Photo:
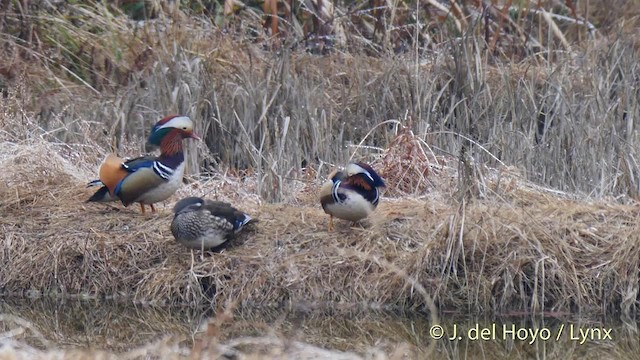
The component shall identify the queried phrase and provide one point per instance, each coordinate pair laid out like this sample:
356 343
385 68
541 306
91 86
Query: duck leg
142 207
153 209
331 223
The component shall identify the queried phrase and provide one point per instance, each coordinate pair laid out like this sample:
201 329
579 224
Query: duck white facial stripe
178 122
163 171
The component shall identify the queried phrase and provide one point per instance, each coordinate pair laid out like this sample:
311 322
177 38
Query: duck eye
184 128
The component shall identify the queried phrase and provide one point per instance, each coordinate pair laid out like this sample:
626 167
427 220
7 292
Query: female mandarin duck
351 194
205 224
147 179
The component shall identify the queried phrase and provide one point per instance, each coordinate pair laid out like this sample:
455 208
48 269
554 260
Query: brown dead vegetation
457 229
516 247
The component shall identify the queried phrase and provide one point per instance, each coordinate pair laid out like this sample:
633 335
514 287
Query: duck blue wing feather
139 163
224 210
241 221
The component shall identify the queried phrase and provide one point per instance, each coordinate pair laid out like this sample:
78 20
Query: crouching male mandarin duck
147 179
205 224
351 194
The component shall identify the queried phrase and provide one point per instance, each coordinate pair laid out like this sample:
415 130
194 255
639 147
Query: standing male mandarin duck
351 194
205 224
147 179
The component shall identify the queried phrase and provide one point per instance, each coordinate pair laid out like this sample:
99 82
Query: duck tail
102 195
96 182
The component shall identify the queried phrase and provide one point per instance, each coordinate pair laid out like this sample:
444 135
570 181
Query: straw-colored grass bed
518 249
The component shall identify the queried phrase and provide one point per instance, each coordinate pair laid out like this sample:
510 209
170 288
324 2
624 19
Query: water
120 327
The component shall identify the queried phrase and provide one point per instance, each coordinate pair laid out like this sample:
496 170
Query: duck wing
140 178
224 210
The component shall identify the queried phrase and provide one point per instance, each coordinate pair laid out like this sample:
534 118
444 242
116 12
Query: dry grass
517 248
470 142
560 113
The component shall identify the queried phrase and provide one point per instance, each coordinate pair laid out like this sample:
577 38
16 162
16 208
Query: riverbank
516 249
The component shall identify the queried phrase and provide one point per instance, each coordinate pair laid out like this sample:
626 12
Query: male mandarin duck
147 179
205 224
351 194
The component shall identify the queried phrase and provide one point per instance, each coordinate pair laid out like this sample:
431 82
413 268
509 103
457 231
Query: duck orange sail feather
111 172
